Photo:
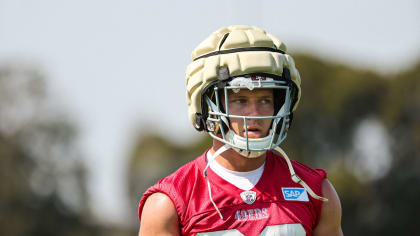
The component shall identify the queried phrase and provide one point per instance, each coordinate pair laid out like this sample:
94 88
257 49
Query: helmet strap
210 160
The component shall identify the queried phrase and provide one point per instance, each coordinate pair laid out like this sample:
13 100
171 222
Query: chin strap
209 161
297 179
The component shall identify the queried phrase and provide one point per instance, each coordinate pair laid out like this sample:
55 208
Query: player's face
257 102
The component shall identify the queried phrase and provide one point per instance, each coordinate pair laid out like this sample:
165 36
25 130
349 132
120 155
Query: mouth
253 132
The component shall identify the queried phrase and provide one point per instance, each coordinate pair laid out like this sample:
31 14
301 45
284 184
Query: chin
253 136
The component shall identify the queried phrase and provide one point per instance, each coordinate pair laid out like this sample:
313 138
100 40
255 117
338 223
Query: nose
253 108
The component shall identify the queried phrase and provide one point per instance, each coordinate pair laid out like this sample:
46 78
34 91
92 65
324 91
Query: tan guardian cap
239 50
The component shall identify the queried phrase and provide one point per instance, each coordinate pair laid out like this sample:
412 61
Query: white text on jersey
251 214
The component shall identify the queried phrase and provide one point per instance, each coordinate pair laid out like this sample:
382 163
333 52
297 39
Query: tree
43 188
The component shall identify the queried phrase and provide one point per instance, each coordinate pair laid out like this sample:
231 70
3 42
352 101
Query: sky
119 66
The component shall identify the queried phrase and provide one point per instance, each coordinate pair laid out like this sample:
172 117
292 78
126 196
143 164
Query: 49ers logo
251 214
256 78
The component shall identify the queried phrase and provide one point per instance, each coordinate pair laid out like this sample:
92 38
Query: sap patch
295 194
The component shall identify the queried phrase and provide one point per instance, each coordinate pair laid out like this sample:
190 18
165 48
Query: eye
239 101
266 101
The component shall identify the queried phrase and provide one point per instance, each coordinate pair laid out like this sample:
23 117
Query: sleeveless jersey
275 206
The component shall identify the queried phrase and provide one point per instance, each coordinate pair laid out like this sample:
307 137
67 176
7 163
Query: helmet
241 57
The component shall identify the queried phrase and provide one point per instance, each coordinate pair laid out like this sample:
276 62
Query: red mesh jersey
274 211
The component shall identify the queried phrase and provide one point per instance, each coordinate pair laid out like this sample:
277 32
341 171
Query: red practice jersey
275 206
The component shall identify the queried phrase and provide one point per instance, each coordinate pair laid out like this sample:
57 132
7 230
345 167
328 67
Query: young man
242 88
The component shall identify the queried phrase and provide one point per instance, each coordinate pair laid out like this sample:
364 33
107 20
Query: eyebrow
265 96
242 96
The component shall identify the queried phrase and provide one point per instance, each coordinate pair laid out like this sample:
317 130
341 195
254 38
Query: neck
232 160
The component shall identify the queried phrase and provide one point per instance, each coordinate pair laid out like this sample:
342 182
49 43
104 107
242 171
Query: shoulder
301 169
330 220
176 186
307 170
186 171
313 177
159 216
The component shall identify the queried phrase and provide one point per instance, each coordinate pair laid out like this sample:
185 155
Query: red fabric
187 188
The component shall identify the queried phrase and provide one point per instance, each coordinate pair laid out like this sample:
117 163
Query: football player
242 89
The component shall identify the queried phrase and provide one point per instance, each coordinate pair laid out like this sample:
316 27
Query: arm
330 220
159 216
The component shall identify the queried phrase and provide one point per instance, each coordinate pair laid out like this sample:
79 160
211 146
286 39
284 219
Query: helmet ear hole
199 122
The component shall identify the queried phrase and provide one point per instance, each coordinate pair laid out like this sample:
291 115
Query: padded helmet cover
262 53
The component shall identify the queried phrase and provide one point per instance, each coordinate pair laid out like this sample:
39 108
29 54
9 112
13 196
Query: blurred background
93 110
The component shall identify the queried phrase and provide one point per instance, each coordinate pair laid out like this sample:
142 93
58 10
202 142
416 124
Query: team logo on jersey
295 194
249 196
251 214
